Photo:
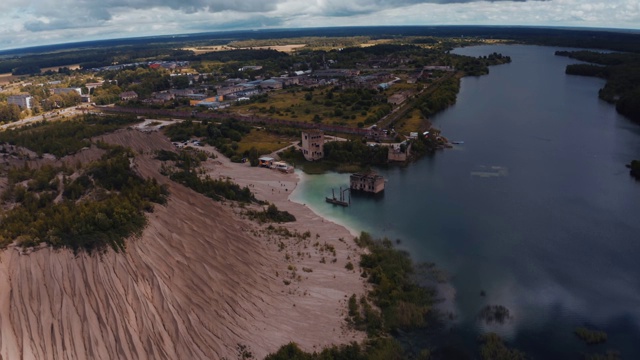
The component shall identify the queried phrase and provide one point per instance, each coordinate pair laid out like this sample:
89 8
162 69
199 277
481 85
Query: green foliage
62 138
220 135
101 208
441 98
355 152
213 188
480 65
629 104
375 349
402 303
587 70
591 337
493 348
186 172
271 214
9 112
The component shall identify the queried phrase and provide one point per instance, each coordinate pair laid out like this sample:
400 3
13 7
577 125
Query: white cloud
52 21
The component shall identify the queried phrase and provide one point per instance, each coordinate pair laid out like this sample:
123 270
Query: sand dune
198 282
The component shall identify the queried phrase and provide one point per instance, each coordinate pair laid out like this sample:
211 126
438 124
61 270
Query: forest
622 72
91 208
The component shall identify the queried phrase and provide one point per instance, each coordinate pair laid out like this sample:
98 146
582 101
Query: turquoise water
536 207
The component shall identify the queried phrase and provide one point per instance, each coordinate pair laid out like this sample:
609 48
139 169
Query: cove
536 208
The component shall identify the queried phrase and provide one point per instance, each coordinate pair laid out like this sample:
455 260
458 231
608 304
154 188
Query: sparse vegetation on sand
97 206
185 169
271 214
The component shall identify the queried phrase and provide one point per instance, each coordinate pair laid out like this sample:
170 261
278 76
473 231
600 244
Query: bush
591 337
271 214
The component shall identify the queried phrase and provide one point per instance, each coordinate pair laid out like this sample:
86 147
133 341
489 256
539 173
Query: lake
536 209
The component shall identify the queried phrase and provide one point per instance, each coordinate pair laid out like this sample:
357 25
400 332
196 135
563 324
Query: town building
272 84
66 90
397 99
313 144
128 95
230 90
250 67
367 182
24 101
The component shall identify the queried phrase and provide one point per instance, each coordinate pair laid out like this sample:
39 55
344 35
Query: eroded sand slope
198 282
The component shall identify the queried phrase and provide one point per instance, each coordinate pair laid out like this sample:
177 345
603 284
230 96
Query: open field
264 141
413 121
7 78
209 49
293 106
56 68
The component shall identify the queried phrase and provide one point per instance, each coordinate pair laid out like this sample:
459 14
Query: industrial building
24 101
367 182
313 144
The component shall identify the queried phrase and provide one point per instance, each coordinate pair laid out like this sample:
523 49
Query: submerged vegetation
89 209
591 337
493 348
395 302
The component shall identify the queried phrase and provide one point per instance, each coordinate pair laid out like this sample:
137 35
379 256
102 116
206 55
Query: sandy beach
201 280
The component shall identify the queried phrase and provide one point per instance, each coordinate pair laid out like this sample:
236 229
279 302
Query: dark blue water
536 208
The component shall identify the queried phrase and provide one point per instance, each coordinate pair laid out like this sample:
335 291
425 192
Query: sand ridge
199 281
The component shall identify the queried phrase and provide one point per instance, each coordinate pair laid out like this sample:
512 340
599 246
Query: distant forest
106 52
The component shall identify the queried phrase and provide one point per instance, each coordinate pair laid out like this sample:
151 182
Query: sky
41 22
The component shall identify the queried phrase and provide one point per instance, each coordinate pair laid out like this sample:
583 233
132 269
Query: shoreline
302 178
324 280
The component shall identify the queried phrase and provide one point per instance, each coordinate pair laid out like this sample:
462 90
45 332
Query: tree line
622 72
100 204
64 137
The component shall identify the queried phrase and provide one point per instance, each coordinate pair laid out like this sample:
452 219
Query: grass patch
264 141
327 105
412 122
